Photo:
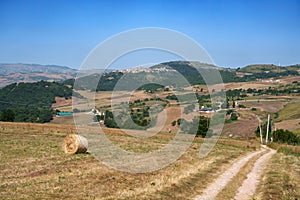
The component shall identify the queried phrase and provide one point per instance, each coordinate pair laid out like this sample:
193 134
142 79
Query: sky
234 33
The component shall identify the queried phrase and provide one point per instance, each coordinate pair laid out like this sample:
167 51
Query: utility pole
268 129
260 131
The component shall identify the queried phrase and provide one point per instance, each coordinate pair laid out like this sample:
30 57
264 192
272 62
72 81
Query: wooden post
260 131
268 129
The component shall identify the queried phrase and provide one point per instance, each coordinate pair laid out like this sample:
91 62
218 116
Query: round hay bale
75 144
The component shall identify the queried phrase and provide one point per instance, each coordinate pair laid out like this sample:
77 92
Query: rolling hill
170 73
269 68
12 73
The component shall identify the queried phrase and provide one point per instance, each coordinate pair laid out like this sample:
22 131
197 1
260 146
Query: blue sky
235 33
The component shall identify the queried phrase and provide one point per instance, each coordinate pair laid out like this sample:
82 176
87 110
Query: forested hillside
31 102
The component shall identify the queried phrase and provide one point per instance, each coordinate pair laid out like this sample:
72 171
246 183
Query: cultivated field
244 127
289 117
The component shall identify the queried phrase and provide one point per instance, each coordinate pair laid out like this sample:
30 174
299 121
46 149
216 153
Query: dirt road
247 189
249 185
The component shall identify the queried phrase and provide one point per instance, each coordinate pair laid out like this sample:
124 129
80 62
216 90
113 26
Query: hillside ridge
20 72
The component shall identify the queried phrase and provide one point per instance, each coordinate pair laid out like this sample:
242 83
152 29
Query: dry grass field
260 84
33 166
289 112
245 126
105 98
289 117
289 79
281 178
267 105
291 125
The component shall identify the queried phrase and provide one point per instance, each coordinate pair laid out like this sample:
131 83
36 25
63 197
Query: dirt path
247 189
249 185
213 189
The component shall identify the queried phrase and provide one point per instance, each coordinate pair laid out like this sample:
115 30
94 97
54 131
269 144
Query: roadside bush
285 136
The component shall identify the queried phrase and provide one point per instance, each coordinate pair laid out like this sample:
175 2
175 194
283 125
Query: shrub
173 123
76 110
233 116
198 126
228 112
285 136
242 106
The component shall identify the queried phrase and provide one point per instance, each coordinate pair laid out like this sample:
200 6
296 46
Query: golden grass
289 79
286 149
281 178
290 111
33 166
297 131
266 105
291 125
243 85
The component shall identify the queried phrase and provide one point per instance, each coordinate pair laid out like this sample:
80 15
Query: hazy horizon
136 66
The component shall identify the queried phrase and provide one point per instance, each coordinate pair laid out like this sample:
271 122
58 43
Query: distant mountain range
11 73
19 72
34 68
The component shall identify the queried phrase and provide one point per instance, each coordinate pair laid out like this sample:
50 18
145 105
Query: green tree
234 116
199 126
7 115
173 123
285 136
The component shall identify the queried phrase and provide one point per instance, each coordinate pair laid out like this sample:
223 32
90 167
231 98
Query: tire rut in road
213 189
